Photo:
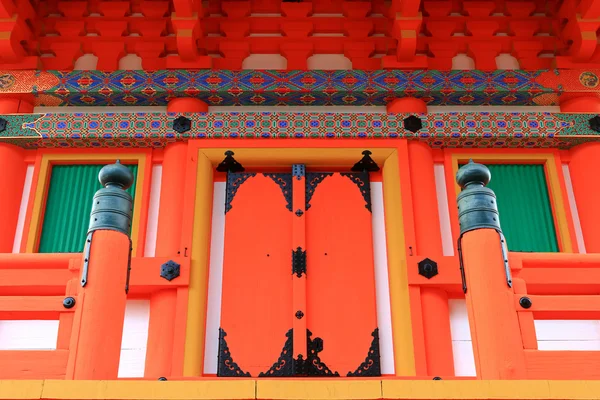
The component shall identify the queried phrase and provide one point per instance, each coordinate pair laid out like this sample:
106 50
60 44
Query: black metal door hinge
299 262
298 171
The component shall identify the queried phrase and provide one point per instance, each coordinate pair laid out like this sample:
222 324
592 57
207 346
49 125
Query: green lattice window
524 206
68 206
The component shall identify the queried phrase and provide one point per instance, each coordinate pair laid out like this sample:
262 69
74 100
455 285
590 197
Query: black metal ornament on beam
229 164
366 163
595 123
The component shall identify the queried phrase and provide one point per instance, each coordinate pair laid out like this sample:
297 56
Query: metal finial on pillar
477 209
476 203
113 206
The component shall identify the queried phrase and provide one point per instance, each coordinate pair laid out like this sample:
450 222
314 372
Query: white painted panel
215 279
567 330
462 347
23 209
574 212
443 211
382 287
152 224
134 339
28 335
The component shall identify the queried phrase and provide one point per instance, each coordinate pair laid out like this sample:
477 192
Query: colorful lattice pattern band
282 88
455 129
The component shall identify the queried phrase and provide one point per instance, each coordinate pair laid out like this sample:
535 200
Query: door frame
205 155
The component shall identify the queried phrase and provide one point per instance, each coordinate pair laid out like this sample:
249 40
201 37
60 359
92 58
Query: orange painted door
256 308
298 294
341 309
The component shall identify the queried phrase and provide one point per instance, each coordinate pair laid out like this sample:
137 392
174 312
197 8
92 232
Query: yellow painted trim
150 390
311 157
193 361
73 158
316 390
404 353
548 160
401 321
17 390
306 389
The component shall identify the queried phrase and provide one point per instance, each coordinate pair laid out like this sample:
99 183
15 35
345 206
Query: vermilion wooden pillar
407 105
15 106
161 331
434 302
12 180
97 346
583 168
187 105
495 330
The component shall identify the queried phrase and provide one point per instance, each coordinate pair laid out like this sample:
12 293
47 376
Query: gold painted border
554 186
387 157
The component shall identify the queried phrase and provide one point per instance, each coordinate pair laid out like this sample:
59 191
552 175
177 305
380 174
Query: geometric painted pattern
280 88
452 129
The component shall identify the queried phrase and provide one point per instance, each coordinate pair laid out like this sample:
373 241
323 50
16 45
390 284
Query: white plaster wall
462 346
153 206
382 286
574 335
130 62
317 109
574 211
135 338
215 279
28 335
443 210
462 62
329 62
86 62
23 209
506 61
264 61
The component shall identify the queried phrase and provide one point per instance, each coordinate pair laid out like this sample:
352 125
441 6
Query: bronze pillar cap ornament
473 173
112 208
116 175
477 208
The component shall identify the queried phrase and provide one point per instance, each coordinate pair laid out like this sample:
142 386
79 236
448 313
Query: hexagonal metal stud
595 123
3 124
182 124
170 270
413 123
428 268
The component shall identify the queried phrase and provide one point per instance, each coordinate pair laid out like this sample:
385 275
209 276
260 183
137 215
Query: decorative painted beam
486 130
316 88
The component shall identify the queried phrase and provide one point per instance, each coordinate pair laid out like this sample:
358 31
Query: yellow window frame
44 166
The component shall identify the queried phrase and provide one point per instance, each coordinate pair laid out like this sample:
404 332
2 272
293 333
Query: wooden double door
298 294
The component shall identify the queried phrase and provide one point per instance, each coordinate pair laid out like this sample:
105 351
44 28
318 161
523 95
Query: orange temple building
299 200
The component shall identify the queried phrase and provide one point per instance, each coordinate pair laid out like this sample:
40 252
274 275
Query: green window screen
524 207
68 206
